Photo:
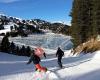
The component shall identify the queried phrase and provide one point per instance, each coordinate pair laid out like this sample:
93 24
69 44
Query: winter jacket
39 52
35 59
59 53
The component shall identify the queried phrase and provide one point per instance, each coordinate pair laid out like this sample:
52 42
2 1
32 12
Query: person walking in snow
36 61
44 54
59 54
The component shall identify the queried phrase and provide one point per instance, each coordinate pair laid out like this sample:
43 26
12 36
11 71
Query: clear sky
50 10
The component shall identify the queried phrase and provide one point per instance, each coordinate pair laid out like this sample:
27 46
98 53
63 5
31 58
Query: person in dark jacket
36 61
44 54
59 54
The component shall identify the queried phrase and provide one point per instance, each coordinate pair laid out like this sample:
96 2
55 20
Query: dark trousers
59 62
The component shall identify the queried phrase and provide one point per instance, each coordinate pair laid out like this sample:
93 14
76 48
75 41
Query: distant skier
36 61
44 54
59 54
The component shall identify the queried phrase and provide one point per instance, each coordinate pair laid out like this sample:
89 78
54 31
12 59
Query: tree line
85 20
11 48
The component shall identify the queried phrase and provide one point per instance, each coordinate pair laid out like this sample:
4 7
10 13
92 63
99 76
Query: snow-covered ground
81 67
7 28
48 41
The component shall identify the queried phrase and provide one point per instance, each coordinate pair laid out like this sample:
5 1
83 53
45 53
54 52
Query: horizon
51 11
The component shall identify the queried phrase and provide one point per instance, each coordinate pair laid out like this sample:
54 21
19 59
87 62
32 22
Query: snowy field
48 41
81 67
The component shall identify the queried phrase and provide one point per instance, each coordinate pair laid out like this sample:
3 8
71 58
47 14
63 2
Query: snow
81 67
7 28
48 41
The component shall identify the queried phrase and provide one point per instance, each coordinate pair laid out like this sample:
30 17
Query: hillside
9 23
91 45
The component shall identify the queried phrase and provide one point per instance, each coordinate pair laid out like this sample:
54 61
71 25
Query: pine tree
5 44
84 20
75 28
1 27
23 51
17 51
96 15
11 28
28 51
12 48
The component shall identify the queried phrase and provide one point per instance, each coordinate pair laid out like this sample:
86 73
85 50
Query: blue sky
50 10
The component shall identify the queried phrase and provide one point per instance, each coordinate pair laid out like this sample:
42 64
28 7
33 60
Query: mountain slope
31 25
